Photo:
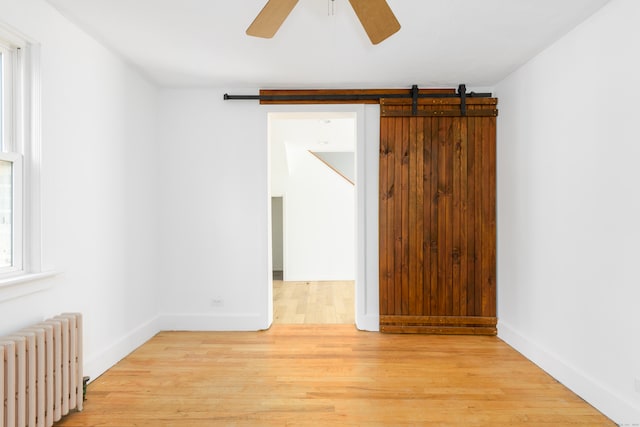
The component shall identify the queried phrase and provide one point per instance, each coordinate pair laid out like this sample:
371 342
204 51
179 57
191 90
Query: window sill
24 284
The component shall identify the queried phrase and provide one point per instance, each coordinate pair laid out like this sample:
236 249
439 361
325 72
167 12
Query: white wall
568 207
343 163
98 189
319 233
214 216
215 211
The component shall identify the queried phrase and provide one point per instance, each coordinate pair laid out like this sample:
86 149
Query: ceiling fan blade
271 18
377 18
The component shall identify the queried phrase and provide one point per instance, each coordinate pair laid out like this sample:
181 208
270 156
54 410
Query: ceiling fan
375 16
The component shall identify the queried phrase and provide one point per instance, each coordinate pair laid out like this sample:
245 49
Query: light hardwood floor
328 375
313 302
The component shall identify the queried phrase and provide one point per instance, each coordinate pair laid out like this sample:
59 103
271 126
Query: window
11 208
19 159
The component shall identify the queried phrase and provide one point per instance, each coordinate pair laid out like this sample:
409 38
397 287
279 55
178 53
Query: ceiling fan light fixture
376 18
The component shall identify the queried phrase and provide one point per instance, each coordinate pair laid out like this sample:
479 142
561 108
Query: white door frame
366 194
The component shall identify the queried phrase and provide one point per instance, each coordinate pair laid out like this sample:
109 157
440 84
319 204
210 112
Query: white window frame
8 71
22 137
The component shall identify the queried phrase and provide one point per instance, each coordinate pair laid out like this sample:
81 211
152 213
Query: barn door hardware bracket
414 100
462 91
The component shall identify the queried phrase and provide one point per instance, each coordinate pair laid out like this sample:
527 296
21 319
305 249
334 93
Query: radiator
41 372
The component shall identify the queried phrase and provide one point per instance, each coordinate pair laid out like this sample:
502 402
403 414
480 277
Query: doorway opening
312 164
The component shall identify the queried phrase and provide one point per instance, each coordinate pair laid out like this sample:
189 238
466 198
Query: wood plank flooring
330 302
329 375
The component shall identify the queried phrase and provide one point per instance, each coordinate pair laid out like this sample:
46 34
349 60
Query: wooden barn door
437 216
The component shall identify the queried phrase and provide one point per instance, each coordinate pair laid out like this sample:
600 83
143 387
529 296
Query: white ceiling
314 131
195 43
293 135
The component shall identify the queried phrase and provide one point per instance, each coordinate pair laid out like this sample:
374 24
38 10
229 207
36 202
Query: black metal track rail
412 93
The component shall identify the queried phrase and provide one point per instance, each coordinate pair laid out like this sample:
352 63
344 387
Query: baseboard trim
98 364
211 322
601 397
368 323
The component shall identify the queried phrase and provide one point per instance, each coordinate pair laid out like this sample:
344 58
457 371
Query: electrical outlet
217 302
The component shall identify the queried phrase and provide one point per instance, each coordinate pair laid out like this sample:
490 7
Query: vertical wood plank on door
383 217
441 281
412 252
448 282
426 209
419 217
456 223
393 192
435 202
471 216
464 223
404 238
477 309
489 219
398 202
391 212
